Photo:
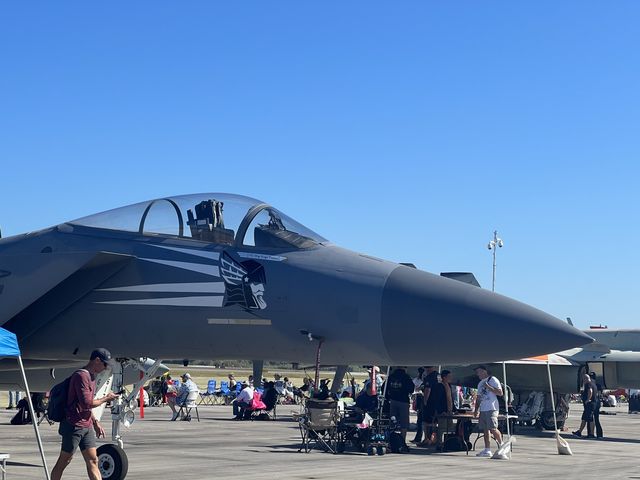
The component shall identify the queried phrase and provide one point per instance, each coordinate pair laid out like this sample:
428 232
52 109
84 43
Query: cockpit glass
209 217
273 229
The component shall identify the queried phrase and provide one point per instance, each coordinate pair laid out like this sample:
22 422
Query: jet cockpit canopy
219 218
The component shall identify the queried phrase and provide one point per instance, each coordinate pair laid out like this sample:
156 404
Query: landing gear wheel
382 450
112 462
546 421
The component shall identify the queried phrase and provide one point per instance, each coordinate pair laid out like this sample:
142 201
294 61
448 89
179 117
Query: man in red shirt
80 427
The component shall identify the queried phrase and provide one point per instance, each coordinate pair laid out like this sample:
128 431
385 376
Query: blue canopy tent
9 348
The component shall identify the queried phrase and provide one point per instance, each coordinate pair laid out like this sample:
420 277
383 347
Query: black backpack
58 400
397 443
22 417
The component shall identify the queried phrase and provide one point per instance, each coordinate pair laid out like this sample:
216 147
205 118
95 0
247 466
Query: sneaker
484 453
173 418
577 434
10 407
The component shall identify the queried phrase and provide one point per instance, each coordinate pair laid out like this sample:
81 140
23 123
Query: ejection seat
208 224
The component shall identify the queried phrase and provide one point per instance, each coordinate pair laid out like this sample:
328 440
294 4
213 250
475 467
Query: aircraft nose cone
428 318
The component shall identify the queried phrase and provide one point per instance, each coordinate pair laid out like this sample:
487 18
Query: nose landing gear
112 462
112 459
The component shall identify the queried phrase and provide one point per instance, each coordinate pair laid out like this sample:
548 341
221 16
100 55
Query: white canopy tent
9 348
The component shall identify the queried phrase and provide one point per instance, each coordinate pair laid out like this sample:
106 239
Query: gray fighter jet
173 278
226 276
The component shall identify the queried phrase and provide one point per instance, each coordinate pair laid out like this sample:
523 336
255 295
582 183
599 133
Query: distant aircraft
225 276
615 359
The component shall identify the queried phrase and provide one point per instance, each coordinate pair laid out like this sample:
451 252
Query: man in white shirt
243 400
487 404
187 386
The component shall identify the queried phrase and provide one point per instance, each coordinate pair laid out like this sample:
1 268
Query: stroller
383 435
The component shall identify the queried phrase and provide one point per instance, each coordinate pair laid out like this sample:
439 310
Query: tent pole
553 400
506 396
34 420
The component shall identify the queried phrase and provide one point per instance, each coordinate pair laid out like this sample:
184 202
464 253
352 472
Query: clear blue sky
405 130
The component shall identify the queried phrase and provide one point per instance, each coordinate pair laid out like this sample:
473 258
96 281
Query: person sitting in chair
367 401
187 386
243 401
270 396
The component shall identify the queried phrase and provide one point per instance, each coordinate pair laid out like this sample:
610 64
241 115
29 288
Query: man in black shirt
588 395
399 388
598 404
367 401
429 407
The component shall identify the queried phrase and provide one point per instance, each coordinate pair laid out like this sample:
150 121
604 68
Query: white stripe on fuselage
212 270
203 301
198 287
188 251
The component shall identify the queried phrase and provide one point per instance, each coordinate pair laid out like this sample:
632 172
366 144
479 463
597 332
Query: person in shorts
80 427
588 394
487 408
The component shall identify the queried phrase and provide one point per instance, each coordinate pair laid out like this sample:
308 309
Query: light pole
494 245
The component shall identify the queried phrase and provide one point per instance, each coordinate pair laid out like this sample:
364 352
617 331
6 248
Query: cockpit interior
218 218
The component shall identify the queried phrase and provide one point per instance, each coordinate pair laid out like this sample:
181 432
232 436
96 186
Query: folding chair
208 396
189 404
3 464
319 426
223 394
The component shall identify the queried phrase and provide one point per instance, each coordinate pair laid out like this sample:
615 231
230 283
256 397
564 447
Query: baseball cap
103 354
186 375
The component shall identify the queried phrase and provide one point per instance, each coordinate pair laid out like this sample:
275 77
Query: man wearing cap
487 404
80 427
186 387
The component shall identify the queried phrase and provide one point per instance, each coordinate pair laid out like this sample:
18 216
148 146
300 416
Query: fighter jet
615 359
218 275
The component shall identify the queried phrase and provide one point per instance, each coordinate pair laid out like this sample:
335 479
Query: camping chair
223 394
207 397
257 406
267 412
189 404
319 426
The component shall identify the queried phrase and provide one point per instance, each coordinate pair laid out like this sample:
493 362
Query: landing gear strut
112 459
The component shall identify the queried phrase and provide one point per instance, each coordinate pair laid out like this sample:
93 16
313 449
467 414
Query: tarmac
218 446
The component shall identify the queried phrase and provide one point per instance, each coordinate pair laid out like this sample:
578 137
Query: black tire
546 421
112 462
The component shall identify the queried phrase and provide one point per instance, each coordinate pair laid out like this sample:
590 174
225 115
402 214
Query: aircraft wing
592 352
552 358
32 300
